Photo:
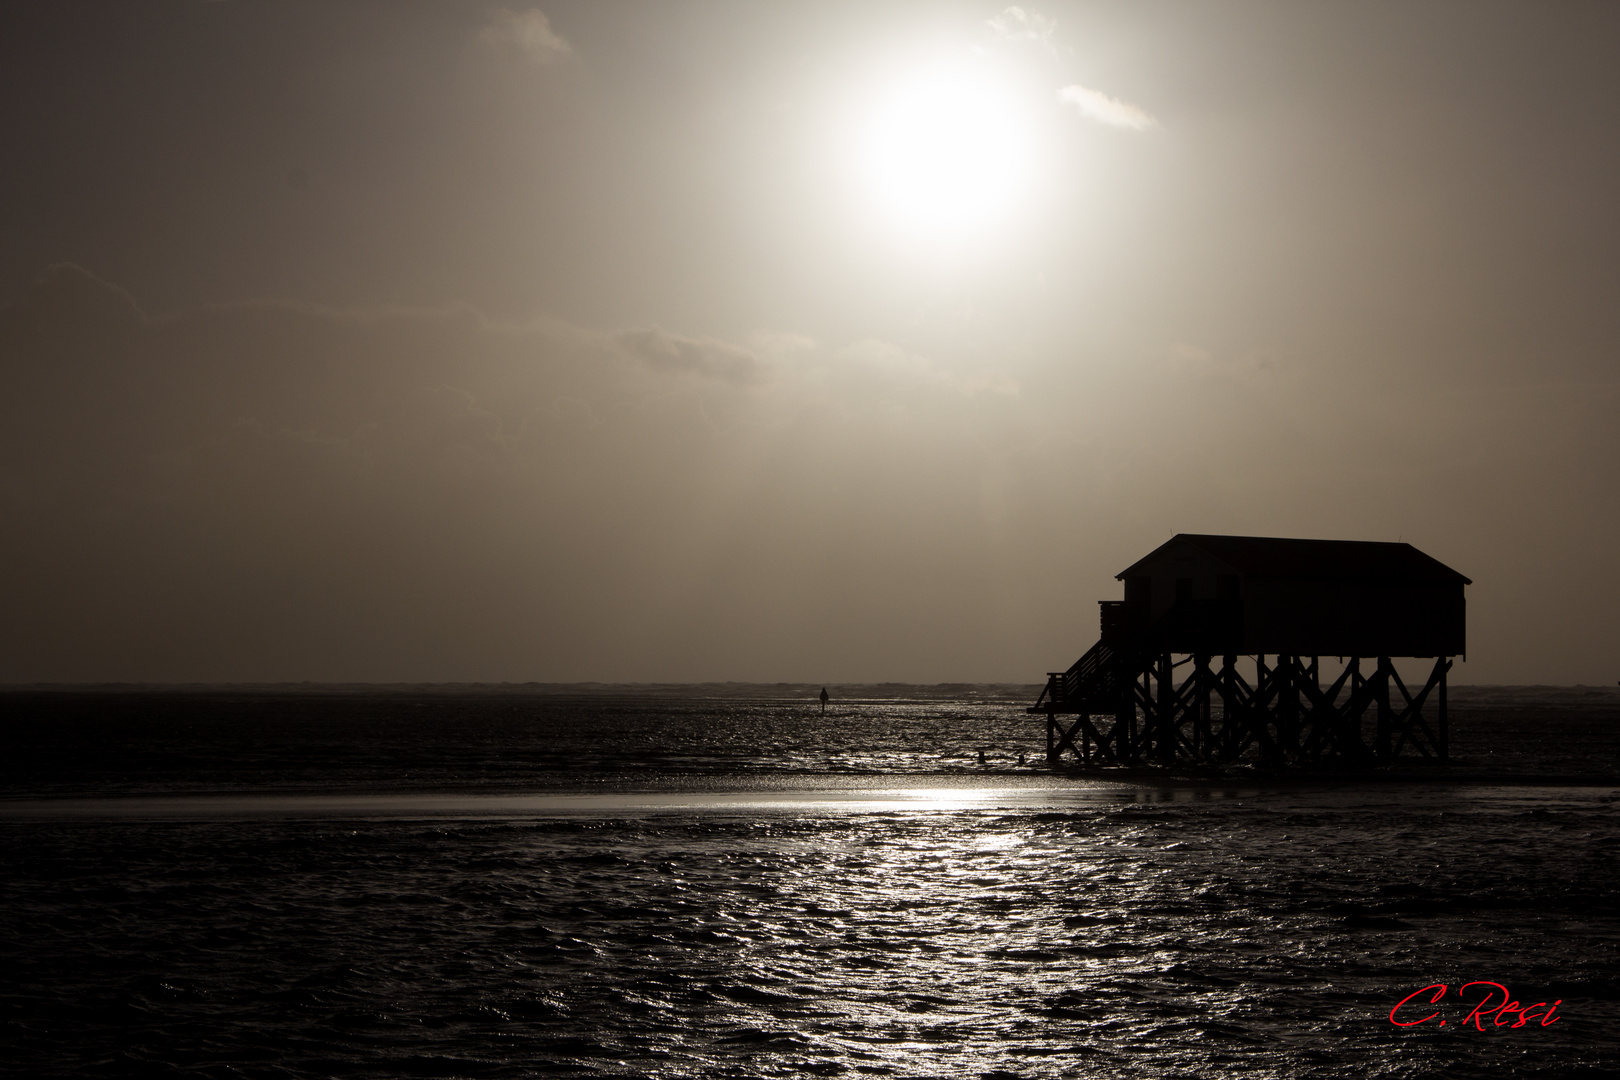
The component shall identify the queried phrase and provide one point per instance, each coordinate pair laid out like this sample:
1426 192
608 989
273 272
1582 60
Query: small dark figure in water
823 701
981 758
1020 758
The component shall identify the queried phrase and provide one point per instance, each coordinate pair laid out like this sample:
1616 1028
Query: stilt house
1210 600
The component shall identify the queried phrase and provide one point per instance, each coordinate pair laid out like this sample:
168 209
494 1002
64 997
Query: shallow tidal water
746 921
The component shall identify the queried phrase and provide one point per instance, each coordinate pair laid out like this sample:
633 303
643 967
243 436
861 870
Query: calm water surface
736 919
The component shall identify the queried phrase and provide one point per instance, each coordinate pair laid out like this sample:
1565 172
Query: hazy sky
810 342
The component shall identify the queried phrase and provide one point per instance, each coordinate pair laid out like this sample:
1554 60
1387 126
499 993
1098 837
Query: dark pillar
1259 715
1287 706
1386 716
1231 714
1164 738
1203 738
1051 733
1354 707
1123 734
1444 664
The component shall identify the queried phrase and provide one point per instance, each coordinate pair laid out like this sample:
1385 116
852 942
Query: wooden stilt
1356 706
1440 720
1287 717
1164 733
1384 744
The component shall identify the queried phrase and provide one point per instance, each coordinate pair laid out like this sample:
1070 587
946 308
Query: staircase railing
1090 679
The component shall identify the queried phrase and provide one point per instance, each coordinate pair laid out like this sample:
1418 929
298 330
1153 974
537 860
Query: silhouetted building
1209 598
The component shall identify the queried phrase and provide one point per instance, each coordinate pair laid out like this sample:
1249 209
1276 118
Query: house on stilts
1165 684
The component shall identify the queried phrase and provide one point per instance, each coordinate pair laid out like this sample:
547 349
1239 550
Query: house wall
1180 562
1353 618
1303 616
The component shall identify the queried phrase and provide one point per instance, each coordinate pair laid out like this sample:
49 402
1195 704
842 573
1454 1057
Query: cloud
1107 110
1018 25
529 32
663 351
900 366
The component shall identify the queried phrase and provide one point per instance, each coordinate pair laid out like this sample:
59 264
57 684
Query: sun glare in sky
946 150
674 342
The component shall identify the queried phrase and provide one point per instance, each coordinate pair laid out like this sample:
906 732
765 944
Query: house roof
1274 557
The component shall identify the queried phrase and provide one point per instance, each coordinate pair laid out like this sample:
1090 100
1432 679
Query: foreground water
749 915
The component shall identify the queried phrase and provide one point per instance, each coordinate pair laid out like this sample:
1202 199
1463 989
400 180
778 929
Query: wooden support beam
1065 738
1410 723
1355 708
1124 729
1093 744
1441 721
1287 717
1380 684
1164 734
1346 721
1237 723
1203 737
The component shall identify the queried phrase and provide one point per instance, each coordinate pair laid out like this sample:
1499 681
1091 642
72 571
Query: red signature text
1496 1004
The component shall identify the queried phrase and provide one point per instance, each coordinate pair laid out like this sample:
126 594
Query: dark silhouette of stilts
823 701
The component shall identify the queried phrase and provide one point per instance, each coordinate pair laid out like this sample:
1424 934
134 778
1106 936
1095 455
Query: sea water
672 884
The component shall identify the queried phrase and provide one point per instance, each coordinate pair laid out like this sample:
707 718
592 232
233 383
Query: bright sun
946 150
